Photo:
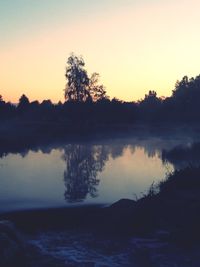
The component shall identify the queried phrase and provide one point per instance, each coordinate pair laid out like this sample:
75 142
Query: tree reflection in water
182 156
83 163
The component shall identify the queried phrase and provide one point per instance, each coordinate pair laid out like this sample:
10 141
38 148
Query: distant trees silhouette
23 104
186 98
23 101
88 107
7 110
150 106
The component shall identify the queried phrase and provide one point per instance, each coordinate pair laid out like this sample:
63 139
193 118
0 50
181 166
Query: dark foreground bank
160 228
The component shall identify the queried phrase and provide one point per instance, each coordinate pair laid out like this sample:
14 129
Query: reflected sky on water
82 173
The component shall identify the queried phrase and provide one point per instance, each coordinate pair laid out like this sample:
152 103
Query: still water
80 173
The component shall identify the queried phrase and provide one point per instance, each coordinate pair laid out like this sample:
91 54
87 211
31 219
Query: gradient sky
135 45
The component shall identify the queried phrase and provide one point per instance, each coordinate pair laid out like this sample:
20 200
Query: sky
135 45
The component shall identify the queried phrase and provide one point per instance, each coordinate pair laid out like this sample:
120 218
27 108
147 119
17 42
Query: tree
150 106
181 88
97 92
150 100
81 88
77 80
2 102
23 102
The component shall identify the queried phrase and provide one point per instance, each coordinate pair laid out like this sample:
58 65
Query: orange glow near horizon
134 48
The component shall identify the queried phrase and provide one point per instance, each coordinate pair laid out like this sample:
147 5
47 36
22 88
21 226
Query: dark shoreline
51 218
172 206
164 222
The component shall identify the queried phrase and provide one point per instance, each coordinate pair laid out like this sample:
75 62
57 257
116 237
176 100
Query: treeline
102 111
183 106
87 103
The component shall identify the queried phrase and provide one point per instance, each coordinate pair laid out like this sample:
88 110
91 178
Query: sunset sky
135 45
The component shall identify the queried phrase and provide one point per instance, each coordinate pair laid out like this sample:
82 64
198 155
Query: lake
100 171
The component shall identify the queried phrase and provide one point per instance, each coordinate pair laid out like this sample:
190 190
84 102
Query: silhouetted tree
81 88
2 107
23 105
150 106
77 80
181 88
151 98
23 101
2 102
47 104
186 99
97 92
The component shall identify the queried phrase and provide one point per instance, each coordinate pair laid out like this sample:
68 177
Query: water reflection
182 155
106 170
83 163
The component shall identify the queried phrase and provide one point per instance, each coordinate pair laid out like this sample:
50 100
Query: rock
124 204
118 217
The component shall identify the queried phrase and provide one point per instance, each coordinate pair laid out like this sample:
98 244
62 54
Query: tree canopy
80 87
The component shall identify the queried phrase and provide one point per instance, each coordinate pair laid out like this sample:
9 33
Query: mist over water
93 172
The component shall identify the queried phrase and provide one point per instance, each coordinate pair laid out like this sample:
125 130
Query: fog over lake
89 172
